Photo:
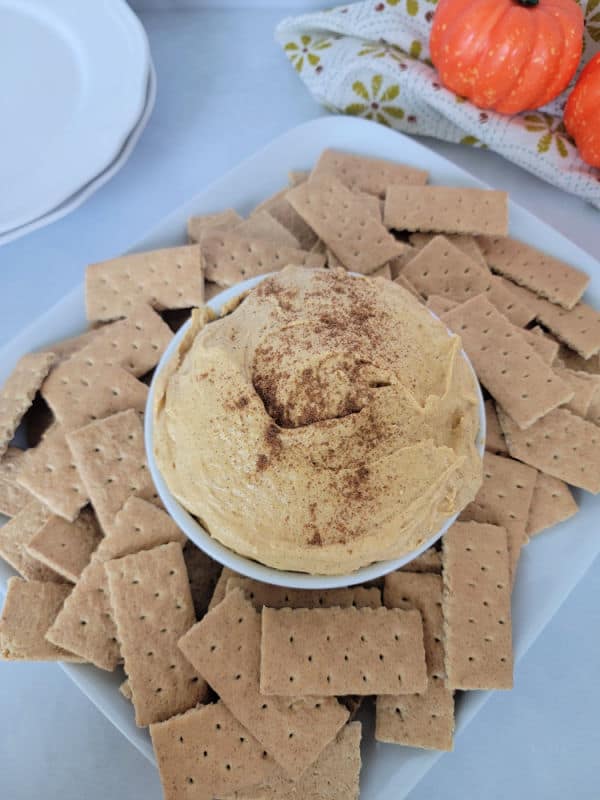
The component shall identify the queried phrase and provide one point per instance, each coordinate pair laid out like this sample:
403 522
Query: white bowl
247 566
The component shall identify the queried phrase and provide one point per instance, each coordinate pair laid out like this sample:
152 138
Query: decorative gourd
507 55
582 113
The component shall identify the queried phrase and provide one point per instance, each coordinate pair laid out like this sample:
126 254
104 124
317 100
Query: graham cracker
49 473
169 278
297 176
152 607
561 444
66 547
222 220
18 391
573 360
476 607
286 215
505 363
545 346
468 244
444 269
494 438
111 460
584 386
203 574
16 535
441 209
429 561
552 503
334 775
65 348
365 174
593 414
11 463
339 651
206 753
13 498
346 223
80 391
230 258
264 594
504 499
440 305
403 281
398 263
545 275
125 690
384 271
262 225
86 623
293 731
30 607
426 719
221 587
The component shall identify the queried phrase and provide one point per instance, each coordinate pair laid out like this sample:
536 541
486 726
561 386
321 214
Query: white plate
73 81
88 190
551 565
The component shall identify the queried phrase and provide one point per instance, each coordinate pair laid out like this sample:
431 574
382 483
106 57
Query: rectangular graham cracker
264 594
476 606
584 386
429 561
152 607
365 174
30 607
334 775
286 215
468 244
345 222
111 459
67 547
19 390
444 269
16 535
229 258
294 731
222 220
13 498
339 651
552 503
505 363
545 275
169 278
49 474
86 623
441 209
80 391
561 444
494 438
425 719
206 753
203 574
504 499
263 225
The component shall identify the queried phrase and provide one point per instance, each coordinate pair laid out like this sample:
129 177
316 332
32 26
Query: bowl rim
242 564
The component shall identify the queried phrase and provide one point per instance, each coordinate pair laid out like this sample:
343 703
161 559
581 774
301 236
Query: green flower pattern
552 130
383 49
306 52
473 141
377 101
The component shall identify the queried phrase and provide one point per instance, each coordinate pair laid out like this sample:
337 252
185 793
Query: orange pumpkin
582 113
507 55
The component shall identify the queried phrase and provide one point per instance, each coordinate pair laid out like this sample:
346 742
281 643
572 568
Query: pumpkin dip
327 422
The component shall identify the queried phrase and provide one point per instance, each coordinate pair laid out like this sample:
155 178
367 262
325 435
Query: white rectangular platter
551 565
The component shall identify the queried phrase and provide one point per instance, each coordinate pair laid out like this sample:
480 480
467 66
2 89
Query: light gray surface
224 90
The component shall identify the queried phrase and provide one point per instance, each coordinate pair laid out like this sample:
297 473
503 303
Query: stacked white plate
77 87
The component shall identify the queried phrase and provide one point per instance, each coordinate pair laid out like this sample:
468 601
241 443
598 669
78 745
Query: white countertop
225 89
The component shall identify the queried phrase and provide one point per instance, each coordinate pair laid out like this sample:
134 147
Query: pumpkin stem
528 3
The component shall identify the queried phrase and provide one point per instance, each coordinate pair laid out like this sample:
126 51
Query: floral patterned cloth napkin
371 59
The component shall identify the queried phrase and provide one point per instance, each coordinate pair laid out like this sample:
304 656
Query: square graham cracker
206 753
476 607
198 226
340 651
264 594
152 607
545 275
365 174
425 719
65 348
552 503
225 648
18 392
504 499
67 547
16 535
30 607
560 444
505 363
345 222
441 209
164 279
